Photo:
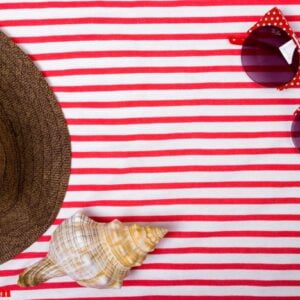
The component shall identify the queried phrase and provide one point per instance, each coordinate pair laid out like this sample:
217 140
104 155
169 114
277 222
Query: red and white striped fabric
167 128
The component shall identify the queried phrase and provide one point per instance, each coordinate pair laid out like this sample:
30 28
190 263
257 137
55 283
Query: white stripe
183 144
210 93
120 62
198 226
14 264
201 225
159 290
207 242
133 12
184 193
212 274
225 242
81 80
56 47
178 127
188 258
181 28
224 258
22 31
174 210
203 110
137 178
192 274
183 160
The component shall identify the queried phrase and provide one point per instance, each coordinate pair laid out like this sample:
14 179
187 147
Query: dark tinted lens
295 131
266 60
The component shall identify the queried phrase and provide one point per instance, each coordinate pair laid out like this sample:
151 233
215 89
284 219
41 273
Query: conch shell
94 254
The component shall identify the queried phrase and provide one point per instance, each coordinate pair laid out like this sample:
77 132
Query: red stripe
193 250
181 135
124 37
233 233
127 37
186 102
197 218
212 282
183 185
10 272
164 297
179 119
25 255
130 70
163 169
219 266
160 282
156 86
178 152
134 53
44 238
214 234
74 4
228 250
144 20
185 201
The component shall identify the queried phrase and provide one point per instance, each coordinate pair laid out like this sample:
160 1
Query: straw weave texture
34 152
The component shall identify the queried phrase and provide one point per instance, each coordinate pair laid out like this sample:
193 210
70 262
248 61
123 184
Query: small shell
94 254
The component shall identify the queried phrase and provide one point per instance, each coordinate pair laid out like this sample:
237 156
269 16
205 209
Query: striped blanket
167 129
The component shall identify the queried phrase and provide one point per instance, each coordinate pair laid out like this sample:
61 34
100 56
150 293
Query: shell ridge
93 254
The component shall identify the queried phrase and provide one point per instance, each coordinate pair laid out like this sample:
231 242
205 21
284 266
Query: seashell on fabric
97 255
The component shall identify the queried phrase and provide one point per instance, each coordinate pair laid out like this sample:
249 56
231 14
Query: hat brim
36 149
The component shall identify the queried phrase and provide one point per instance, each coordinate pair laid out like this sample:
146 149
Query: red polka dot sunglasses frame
270 57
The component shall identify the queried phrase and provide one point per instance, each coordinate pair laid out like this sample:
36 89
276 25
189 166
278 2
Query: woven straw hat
34 152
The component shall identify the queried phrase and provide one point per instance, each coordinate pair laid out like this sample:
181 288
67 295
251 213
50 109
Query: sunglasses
270 57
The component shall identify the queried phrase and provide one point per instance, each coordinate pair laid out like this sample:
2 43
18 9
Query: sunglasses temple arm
236 40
